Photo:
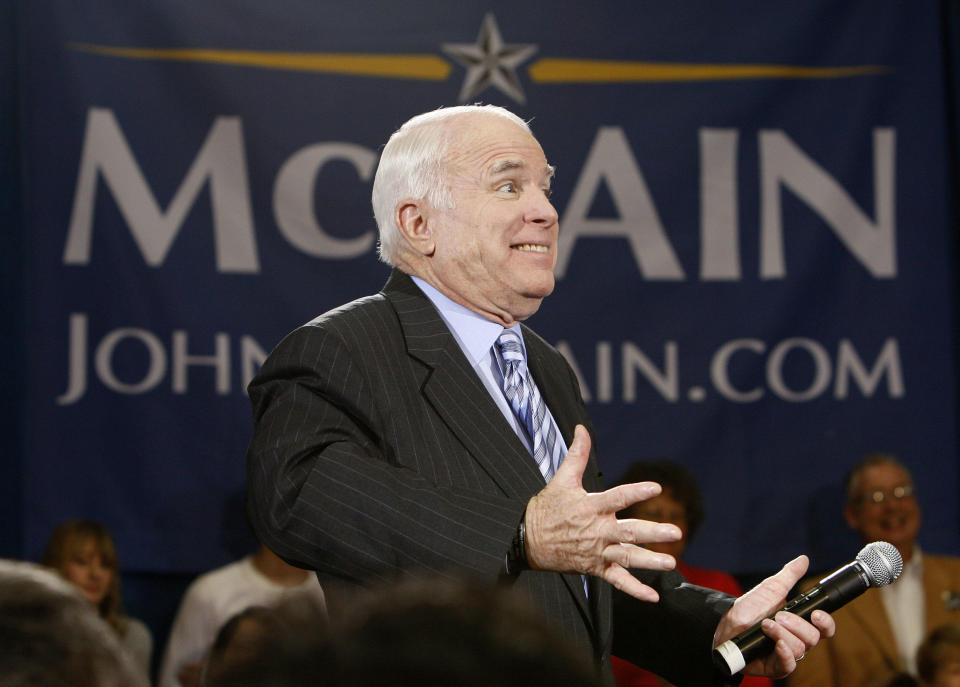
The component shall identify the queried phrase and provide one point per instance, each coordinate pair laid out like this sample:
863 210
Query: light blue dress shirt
476 336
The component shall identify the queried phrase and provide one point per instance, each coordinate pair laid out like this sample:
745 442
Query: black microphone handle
828 595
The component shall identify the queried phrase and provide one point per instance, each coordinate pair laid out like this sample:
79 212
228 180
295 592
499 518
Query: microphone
878 564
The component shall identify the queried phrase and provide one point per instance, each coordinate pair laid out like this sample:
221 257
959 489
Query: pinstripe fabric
377 453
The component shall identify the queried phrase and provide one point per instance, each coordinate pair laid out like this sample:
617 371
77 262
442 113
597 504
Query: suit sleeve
674 637
326 492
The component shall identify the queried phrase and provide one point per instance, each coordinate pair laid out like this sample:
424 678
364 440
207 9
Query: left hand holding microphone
793 635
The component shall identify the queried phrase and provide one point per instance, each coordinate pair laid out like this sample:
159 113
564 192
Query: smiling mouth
531 248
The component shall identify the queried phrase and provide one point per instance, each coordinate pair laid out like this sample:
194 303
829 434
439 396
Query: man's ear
851 516
414 226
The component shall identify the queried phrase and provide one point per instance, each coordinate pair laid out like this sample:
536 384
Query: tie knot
511 350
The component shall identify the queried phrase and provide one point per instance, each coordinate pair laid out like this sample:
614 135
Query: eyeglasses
898 493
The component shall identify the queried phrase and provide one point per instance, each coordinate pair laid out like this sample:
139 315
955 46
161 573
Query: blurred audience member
83 552
455 633
415 634
897 680
680 503
880 631
938 658
260 579
281 646
51 637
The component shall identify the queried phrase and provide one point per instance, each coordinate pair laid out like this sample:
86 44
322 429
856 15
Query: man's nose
541 211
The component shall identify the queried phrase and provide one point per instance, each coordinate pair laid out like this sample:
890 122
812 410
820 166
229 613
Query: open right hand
571 530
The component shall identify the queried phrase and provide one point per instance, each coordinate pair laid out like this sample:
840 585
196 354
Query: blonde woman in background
83 552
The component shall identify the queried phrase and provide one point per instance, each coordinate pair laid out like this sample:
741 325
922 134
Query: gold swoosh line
559 70
426 67
434 68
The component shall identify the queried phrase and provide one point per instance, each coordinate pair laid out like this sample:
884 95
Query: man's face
496 249
884 508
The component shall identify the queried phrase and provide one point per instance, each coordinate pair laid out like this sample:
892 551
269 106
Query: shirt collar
914 567
475 333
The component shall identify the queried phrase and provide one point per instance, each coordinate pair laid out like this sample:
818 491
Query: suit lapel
554 385
458 395
937 585
869 613
556 394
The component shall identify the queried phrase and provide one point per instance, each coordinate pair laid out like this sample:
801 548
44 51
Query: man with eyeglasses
882 630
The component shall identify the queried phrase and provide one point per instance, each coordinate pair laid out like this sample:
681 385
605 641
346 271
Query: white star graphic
490 62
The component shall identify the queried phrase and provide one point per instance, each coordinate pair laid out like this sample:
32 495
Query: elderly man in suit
882 630
425 431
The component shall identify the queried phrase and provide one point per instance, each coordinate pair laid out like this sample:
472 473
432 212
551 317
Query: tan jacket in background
864 652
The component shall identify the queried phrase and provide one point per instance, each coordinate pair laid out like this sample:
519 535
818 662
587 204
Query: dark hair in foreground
413 634
941 645
50 635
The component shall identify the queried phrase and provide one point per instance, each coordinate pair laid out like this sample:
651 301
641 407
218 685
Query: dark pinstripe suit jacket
378 453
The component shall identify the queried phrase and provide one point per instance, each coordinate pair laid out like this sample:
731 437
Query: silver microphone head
881 562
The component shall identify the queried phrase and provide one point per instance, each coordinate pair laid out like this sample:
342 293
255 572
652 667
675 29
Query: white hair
412 166
52 634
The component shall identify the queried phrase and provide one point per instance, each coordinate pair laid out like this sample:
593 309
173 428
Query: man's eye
548 192
508 187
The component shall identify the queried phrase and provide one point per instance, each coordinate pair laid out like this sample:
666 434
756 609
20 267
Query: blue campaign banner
755 273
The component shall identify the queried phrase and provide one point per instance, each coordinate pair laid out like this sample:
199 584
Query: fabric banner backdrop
755 269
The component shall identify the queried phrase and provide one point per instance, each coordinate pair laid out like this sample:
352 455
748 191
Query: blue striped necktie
525 399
